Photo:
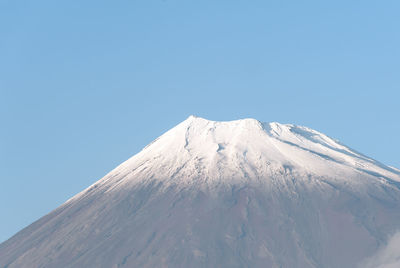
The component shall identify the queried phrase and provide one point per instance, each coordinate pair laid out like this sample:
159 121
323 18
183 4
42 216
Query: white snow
200 151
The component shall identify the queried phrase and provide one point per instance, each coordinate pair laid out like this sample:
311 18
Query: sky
84 85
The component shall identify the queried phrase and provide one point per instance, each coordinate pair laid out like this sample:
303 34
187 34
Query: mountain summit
223 194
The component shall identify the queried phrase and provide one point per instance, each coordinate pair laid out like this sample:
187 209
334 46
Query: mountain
223 194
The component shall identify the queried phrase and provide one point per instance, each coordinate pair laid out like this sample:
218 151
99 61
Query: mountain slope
222 194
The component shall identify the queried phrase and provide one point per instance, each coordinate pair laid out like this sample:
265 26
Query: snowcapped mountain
223 194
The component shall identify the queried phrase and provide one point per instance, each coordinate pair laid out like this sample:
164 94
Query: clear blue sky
84 85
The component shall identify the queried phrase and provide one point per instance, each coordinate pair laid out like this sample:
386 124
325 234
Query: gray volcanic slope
222 194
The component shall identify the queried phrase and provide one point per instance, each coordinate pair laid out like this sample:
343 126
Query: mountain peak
222 194
194 118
